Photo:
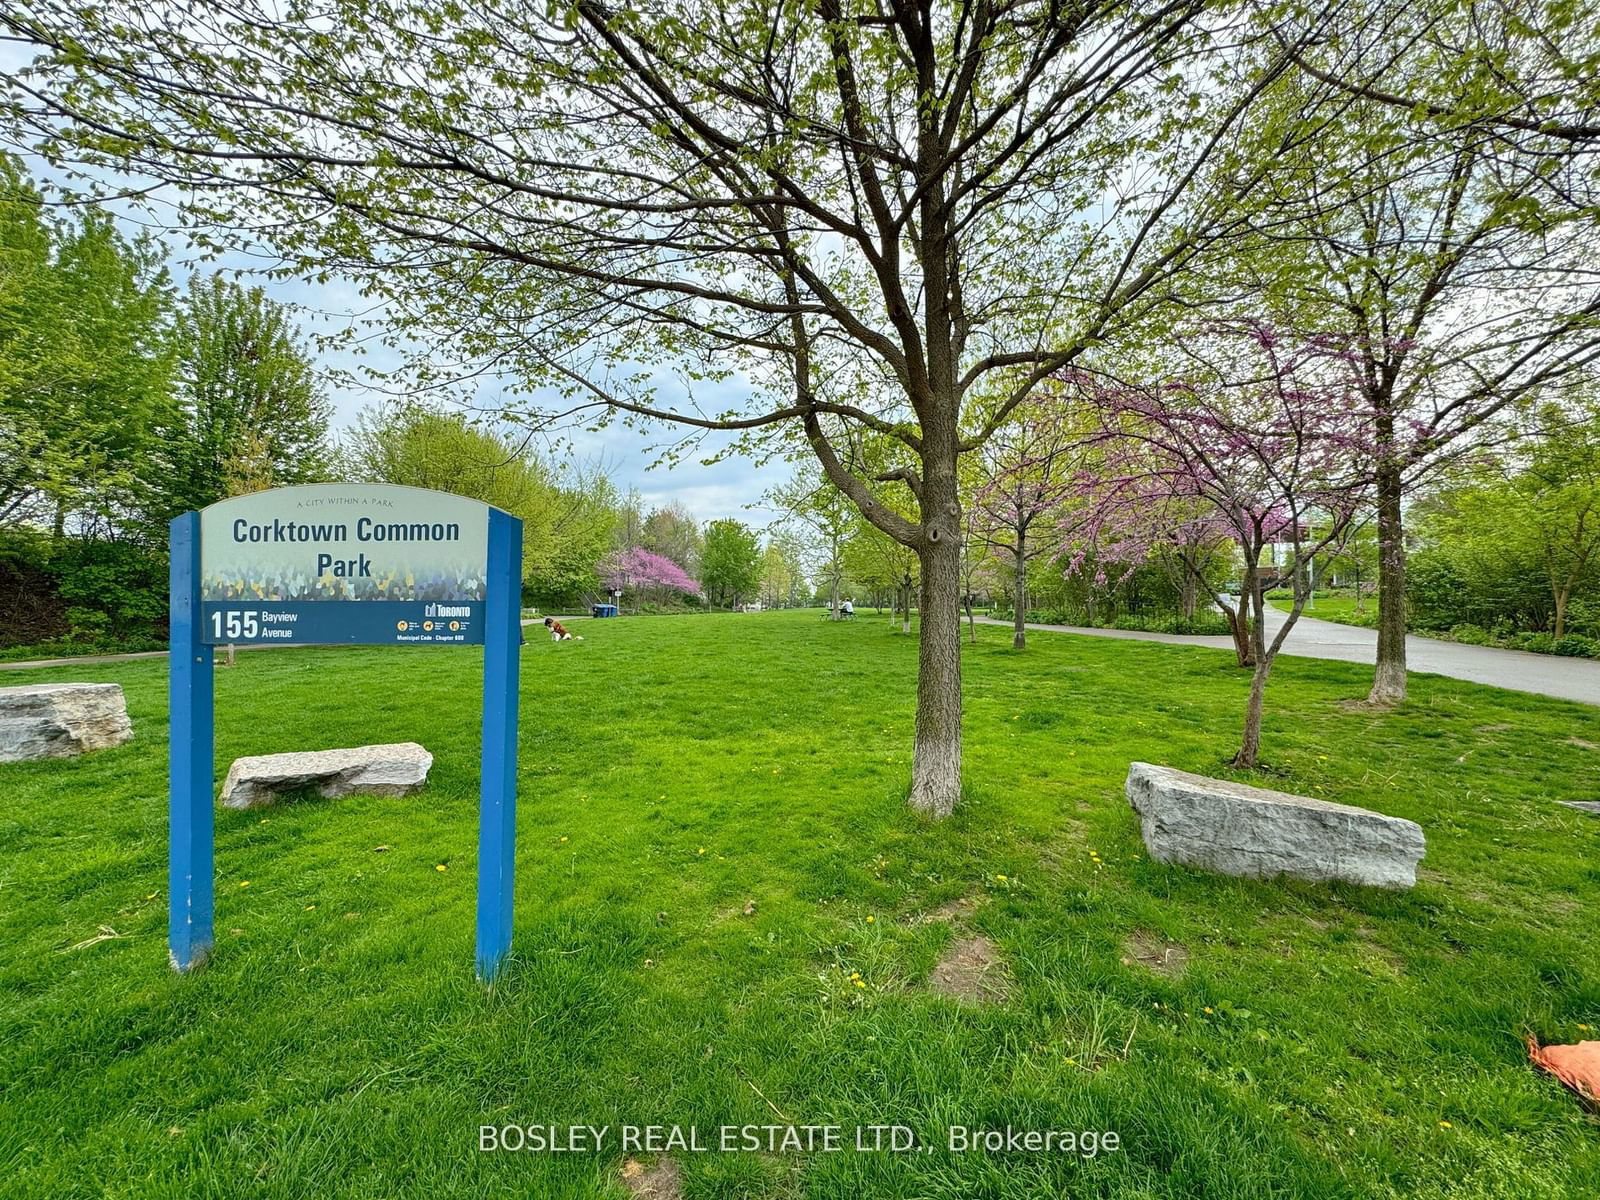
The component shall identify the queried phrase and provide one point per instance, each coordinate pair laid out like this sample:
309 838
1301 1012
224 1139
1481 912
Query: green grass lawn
1321 1042
1339 607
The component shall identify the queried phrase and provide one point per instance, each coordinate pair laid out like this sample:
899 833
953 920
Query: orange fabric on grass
1577 1066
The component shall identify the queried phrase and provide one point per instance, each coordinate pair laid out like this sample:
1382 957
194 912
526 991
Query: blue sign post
497 802
189 690
341 563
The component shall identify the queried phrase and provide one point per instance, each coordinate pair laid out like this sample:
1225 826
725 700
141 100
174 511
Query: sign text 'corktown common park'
277 567
271 563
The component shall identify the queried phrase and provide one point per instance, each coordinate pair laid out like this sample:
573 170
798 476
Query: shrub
87 626
1575 645
123 582
1472 635
1583 616
1535 643
80 593
1204 622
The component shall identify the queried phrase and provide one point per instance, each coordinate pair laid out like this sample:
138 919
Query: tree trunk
1250 743
936 759
905 609
1019 600
1239 628
834 597
1389 676
1187 598
1561 613
1240 621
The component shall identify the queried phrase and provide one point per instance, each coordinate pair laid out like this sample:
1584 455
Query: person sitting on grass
559 632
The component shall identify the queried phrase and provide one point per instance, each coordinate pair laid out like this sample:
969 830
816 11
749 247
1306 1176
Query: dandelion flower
870 920
1445 1125
563 838
441 867
311 908
244 883
1000 878
1209 1009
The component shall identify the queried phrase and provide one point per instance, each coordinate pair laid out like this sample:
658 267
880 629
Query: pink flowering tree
1029 473
637 570
1129 518
1266 441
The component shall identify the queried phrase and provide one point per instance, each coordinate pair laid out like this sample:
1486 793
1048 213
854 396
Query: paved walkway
1543 674
82 659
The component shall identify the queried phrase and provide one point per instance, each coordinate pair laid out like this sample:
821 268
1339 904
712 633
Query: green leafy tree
1357 561
582 531
29 334
566 529
673 532
782 580
821 518
1539 91
1453 257
1031 467
1537 502
730 563
251 412
881 564
85 364
878 220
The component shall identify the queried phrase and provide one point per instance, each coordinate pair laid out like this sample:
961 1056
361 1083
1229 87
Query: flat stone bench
58 720
1235 829
394 769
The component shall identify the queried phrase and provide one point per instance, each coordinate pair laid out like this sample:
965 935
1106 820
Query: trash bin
603 610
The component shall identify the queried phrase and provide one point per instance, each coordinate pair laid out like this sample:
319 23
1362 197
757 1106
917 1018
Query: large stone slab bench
58 720
1235 829
394 769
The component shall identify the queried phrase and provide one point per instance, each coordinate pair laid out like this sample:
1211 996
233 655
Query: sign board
340 563
362 562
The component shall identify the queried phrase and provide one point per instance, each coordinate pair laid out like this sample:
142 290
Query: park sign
355 563
340 563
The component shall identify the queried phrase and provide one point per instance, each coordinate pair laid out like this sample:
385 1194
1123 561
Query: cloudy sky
629 457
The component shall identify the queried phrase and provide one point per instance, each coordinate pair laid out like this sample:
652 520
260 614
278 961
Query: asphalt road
1543 674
